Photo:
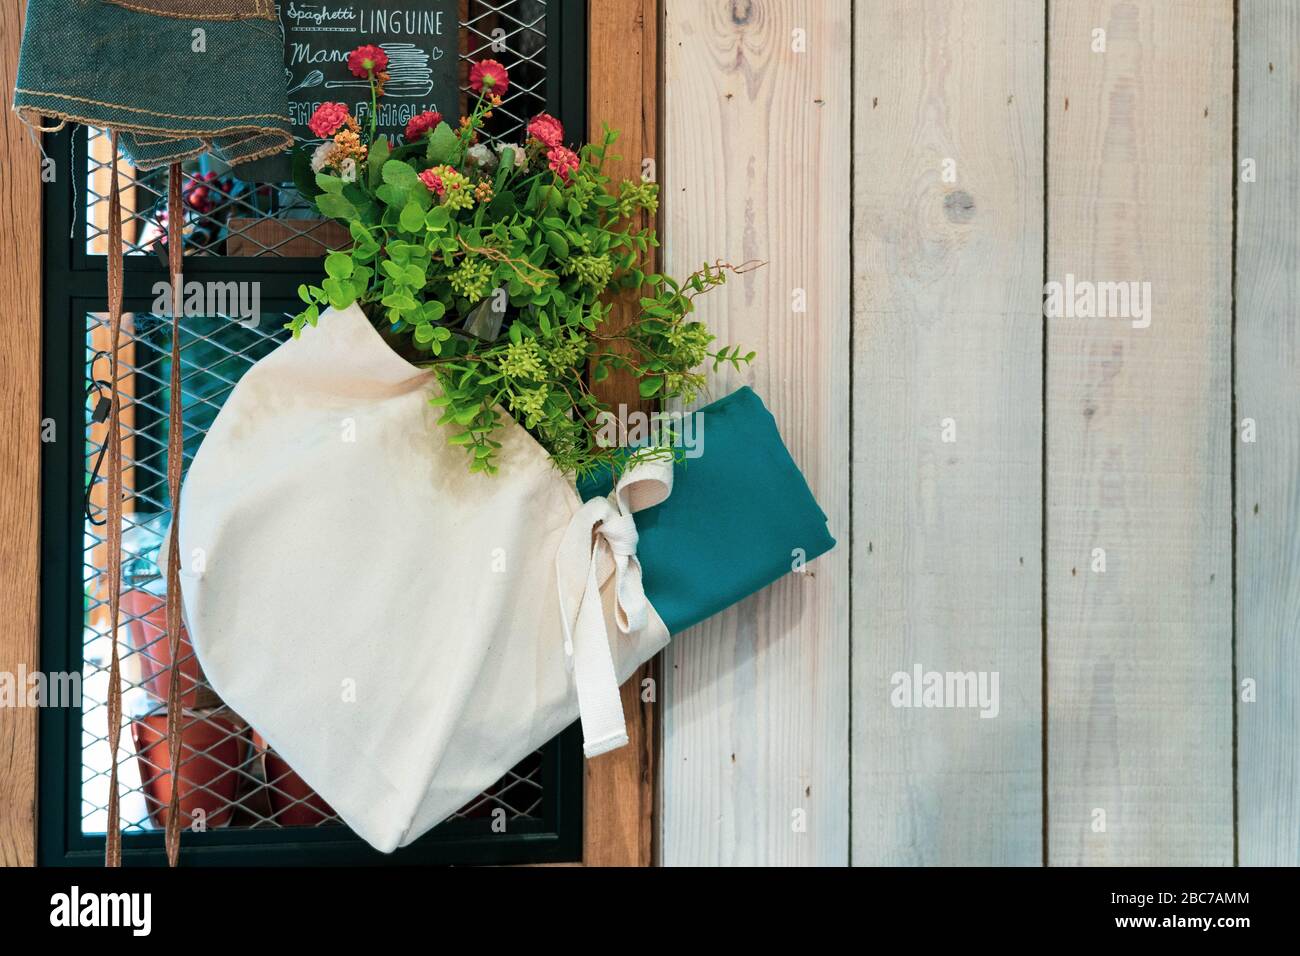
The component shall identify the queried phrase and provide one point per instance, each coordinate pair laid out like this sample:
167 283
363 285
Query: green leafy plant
496 265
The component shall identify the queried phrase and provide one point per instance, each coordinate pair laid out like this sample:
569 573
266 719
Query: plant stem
374 107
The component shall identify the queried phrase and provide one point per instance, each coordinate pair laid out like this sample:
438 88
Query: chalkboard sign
421 38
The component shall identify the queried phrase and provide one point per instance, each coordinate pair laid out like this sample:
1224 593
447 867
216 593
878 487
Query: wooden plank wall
948 198
1104 512
1139 437
756 163
1268 468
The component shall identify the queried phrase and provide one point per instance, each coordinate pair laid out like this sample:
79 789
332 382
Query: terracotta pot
293 803
147 632
212 746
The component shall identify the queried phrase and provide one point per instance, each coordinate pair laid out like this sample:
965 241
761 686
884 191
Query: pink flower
563 161
327 119
547 129
489 75
368 59
422 124
433 181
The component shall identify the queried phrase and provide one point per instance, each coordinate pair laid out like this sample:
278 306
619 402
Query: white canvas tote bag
403 632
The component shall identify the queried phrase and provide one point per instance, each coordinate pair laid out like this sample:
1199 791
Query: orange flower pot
293 803
146 630
212 746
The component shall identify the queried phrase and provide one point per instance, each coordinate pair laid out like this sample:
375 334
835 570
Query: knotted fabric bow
601 540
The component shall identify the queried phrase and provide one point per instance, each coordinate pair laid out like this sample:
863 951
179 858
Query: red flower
546 129
563 161
327 119
489 75
422 124
368 59
433 181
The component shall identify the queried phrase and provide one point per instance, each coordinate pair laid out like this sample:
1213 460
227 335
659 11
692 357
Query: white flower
520 159
479 155
320 159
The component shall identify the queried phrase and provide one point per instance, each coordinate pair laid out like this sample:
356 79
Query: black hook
103 407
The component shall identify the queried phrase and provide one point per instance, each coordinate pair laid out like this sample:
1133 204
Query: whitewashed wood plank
1139 436
948 329
756 165
1268 467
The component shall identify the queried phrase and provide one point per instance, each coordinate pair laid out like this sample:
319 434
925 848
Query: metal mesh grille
228 778
512 32
228 217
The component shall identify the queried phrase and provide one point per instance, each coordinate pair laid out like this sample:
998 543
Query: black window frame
74 283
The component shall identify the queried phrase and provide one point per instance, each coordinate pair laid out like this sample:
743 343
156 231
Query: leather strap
113 439
175 449
175 453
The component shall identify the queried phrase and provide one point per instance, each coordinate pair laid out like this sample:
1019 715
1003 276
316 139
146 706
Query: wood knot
959 206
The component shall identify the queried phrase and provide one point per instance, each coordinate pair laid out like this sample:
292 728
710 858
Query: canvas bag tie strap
601 540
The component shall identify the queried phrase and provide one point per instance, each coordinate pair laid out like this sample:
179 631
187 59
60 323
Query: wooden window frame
20 454
623 80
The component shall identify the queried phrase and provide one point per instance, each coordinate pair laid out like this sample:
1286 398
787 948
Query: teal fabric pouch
740 516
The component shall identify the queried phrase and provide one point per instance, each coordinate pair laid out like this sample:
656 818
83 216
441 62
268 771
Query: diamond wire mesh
226 772
220 207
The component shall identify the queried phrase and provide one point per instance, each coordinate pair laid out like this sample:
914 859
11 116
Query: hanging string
175 452
113 439
72 180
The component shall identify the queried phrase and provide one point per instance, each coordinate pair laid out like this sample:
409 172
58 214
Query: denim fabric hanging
175 79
